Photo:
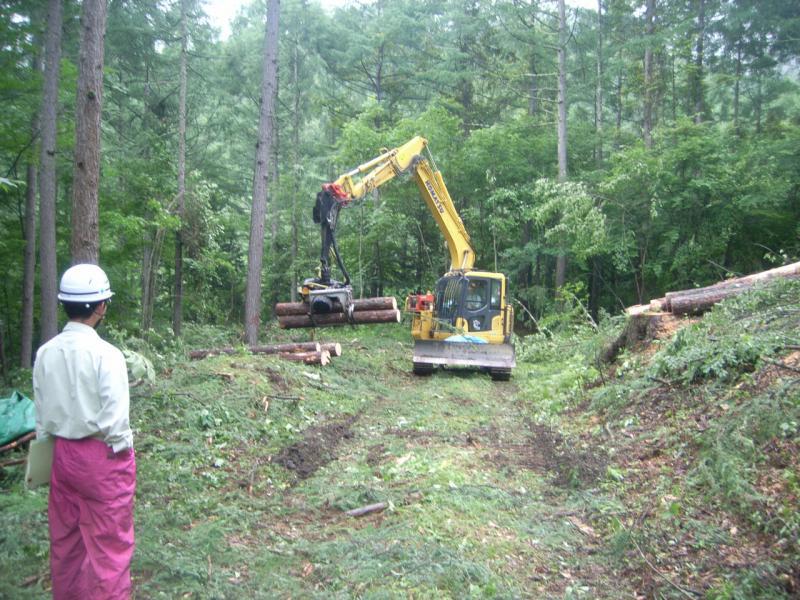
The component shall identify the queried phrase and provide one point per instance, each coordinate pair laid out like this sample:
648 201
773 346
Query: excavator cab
470 303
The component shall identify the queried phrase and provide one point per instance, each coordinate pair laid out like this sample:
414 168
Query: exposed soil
317 448
548 452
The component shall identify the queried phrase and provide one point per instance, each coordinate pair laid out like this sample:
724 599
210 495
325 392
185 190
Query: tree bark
283 309
255 254
334 319
48 276
29 268
177 301
701 299
85 241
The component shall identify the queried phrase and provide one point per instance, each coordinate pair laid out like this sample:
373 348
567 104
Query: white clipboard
40 462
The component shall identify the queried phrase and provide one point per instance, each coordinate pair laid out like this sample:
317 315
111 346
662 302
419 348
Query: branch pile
310 353
295 315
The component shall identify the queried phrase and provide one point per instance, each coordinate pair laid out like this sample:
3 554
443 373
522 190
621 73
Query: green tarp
17 417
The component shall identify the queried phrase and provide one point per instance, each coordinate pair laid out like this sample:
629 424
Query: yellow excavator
467 321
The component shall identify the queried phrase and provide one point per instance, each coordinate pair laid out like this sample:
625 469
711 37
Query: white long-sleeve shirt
80 388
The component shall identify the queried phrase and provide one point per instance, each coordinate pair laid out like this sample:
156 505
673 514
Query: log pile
309 353
295 315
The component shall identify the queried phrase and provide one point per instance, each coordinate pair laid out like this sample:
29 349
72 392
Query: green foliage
712 349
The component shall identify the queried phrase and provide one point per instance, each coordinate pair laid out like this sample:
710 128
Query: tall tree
47 174
266 132
699 91
29 267
177 303
85 242
598 93
647 127
561 259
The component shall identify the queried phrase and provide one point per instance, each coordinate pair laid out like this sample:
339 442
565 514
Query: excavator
467 321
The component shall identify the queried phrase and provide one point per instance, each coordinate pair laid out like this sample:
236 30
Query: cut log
268 349
368 509
284 309
701 299
363 317
321 357
335 348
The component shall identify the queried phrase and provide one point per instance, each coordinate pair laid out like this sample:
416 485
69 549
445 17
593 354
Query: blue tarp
466 338
17 417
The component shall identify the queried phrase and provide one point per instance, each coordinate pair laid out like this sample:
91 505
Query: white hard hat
84 283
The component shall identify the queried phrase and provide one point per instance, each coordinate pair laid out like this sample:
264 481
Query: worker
80 386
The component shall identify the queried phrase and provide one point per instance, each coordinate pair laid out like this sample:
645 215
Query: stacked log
283 309
295 315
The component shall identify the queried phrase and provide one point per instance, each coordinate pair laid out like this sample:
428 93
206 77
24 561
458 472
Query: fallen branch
368 509
689 593
19 441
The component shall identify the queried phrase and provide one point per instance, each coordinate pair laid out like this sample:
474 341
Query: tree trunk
736 89
700 299
177 302
561 260
598 94
255 254
647 126
699 100
29 262
48 282
533 90
85 242
150 260
297 93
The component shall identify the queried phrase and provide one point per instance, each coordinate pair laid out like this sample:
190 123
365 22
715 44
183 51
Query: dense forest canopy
683 146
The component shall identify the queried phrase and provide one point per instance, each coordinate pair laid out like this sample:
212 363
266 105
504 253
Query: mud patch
317 448
547 451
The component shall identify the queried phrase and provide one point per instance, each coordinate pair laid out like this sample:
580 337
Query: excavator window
477 294
494 303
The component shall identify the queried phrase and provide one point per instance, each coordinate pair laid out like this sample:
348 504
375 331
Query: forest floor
673 473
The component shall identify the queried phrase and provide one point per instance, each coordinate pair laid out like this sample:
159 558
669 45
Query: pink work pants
91 520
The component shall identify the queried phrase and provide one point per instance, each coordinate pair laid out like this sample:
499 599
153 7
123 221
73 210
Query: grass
644 480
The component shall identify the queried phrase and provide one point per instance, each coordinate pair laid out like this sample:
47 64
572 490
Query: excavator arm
369 176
